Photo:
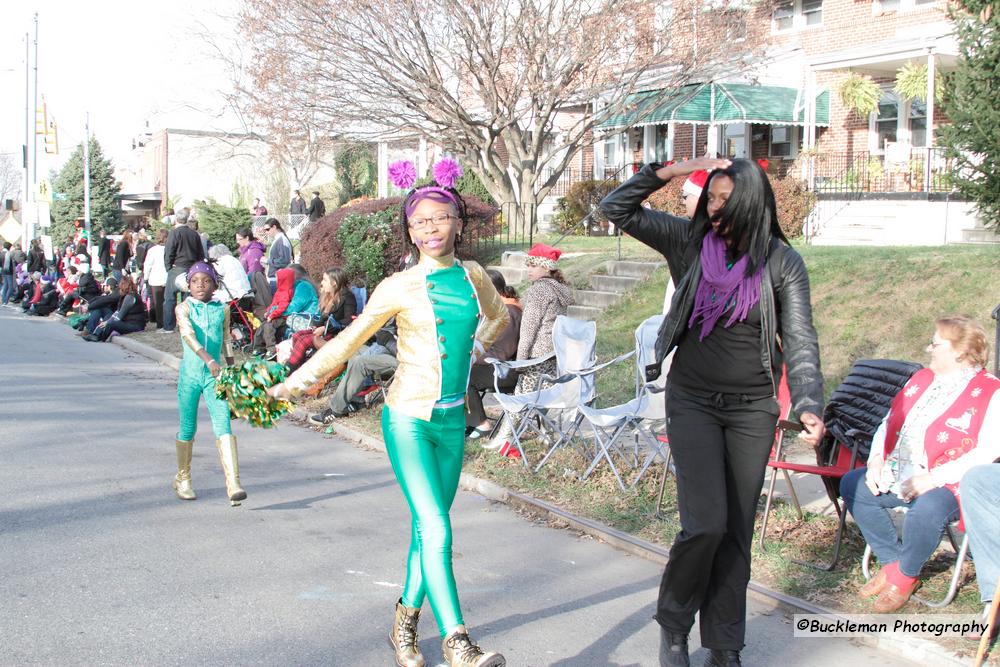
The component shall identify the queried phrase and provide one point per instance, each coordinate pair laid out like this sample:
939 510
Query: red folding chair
853 414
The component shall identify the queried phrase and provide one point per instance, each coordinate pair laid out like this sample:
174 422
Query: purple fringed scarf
719 285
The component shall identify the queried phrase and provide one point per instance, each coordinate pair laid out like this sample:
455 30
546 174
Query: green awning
720 104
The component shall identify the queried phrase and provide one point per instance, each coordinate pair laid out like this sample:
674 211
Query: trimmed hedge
366 241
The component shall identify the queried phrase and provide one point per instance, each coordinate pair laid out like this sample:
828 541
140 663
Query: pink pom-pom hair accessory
403 174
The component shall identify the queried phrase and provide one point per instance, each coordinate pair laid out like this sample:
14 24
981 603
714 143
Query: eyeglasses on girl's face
438 219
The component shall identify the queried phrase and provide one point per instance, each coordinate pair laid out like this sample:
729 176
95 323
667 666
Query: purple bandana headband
447 171
203 267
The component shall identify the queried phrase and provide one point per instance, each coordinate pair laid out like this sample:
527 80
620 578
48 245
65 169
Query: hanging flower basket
860 94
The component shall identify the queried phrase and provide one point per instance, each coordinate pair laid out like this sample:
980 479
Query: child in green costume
204 329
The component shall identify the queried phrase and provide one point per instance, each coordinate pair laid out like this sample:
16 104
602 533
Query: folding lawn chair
961 547
852 416
638 415
574 342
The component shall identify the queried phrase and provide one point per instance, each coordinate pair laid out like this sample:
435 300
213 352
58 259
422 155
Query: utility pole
34 148
86 180
24 150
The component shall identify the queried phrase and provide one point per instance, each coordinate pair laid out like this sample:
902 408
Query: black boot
723 658
673 649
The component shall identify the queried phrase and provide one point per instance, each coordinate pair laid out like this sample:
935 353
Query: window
781 141
784 15
663 19
796 14
918 123
734 138
886 6
812 11
611 151
661 148
887 120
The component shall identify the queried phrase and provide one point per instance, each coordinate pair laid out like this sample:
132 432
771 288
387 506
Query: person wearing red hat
741 313
548 297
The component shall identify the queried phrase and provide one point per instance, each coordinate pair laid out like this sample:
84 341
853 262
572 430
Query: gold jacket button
434 300
439 321
430 285
444 355
441 338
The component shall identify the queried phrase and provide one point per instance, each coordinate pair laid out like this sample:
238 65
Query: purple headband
447 171
203 267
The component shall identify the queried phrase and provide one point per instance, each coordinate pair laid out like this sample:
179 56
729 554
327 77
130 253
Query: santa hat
695 183
543 255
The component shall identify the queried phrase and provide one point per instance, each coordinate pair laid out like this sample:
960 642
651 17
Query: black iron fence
896 170
514 226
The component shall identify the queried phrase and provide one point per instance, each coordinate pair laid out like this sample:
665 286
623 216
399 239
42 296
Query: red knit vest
956 430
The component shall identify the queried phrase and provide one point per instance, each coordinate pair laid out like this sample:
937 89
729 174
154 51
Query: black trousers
481 380
720 444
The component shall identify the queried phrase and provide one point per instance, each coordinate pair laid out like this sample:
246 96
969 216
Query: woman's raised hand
690 166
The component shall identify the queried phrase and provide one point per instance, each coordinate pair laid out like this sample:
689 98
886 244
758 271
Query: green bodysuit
202 325
427 455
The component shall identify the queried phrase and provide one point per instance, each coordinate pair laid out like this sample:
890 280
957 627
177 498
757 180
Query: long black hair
459 204
749 217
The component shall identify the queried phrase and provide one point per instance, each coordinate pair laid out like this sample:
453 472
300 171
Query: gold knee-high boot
230 467
403 637
182 481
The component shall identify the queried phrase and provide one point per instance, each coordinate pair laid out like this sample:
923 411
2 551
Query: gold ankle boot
403 637
182 481
230 467
459 651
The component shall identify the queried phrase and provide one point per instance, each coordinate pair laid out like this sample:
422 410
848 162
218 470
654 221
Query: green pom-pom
244 387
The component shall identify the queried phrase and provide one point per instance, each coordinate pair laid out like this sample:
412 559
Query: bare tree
11 178
295 141
510 87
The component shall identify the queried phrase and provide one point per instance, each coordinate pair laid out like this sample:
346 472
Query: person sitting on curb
377 360
130 317
48 299
102 307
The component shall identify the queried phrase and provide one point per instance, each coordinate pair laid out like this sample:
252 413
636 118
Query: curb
916 649
158 356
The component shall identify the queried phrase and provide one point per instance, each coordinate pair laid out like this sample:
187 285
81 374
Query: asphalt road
101 565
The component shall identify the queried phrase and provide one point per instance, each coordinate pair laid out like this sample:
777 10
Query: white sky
123 61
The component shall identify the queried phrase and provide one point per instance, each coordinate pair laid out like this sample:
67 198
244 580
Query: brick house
884 168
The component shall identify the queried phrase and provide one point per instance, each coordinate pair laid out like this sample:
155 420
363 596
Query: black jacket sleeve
170 249
623 207
799 343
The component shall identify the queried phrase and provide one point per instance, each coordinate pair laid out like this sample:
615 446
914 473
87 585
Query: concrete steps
606 289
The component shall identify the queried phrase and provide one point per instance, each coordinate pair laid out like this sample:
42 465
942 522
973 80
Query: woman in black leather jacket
741 311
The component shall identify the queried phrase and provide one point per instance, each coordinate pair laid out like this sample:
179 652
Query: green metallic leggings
190 388
427 459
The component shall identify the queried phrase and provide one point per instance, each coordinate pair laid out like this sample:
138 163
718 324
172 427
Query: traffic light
52 139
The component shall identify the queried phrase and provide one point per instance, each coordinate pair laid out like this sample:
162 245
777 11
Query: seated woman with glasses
945 421
447 313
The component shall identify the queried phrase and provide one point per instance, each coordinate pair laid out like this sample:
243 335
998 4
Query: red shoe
510 451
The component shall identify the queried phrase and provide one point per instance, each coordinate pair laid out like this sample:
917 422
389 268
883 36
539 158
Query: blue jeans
96 316
926 518
6 288
980 490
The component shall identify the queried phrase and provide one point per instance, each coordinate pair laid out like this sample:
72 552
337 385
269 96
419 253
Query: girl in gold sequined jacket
447 313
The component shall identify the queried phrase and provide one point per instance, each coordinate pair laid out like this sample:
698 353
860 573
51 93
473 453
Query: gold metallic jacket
416 385
188 335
